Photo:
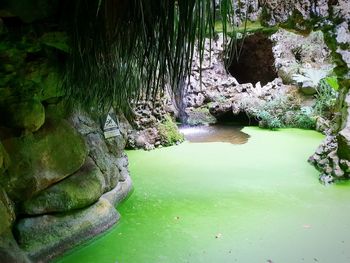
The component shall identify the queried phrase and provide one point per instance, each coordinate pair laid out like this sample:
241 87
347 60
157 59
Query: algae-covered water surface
218 202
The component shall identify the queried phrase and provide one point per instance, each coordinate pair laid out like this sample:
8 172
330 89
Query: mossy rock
57 40
77 191
44 79
169 133
27 115
41 159
7 213
45 237
31 10
200 116
343 139
4 159
9 250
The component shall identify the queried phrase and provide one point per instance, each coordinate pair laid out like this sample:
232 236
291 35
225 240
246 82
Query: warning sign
111 128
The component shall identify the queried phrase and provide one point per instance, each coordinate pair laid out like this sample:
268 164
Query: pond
221 202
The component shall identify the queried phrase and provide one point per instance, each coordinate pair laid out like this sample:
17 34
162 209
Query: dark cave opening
240 119
256 60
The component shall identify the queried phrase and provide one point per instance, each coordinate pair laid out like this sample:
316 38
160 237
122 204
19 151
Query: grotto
174 131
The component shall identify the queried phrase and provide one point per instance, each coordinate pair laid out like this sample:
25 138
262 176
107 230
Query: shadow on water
215 133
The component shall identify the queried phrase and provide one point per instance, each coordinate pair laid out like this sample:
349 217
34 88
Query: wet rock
144 139
28 115
44 237
42 159
342 9
122 164
323 125
4 159
326 179
32 10
343 139
9 250
104 152
79 190
280 11
195 100
300 59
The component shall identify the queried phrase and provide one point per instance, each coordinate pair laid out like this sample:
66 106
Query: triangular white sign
110 123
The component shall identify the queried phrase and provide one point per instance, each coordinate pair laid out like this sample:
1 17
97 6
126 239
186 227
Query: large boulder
343 136
77 191
4 159
41 159
301 60
32 10
44 237
28 115
343 139
9 250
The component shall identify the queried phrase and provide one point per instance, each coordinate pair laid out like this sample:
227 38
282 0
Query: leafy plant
169 132
304 121
310 74
268 120
325 98
332 82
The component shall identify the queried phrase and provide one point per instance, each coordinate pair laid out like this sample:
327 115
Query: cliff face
60 179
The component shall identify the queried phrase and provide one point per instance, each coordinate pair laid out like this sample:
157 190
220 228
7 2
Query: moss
265 16
27 115
297 22
41 159
57 40
77 191
4 159
251 28
201 116
169 132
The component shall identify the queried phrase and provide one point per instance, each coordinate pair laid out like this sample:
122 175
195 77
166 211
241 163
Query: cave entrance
240 119
256 61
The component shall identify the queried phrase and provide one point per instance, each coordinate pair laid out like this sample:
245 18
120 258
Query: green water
217 202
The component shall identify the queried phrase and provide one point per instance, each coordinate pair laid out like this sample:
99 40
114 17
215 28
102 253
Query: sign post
111 128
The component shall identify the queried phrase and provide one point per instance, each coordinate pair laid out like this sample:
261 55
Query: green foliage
310 74
284 112
58 40
169 132
332 82
125 50
303 120
325 98
269 120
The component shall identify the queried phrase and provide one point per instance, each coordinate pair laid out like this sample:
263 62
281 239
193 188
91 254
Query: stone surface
280 11
104 153
227 100
301 60
343 139
42 159
4 159
79 190
44 237
120 192
32 10
28 115
9 250
342 9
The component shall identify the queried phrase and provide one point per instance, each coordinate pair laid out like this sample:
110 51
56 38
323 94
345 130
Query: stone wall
60 179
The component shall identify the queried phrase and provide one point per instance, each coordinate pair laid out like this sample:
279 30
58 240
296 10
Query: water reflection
215 133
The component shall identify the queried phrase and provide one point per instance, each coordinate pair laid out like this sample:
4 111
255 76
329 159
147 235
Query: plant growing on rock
326 98
132 49
168 132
